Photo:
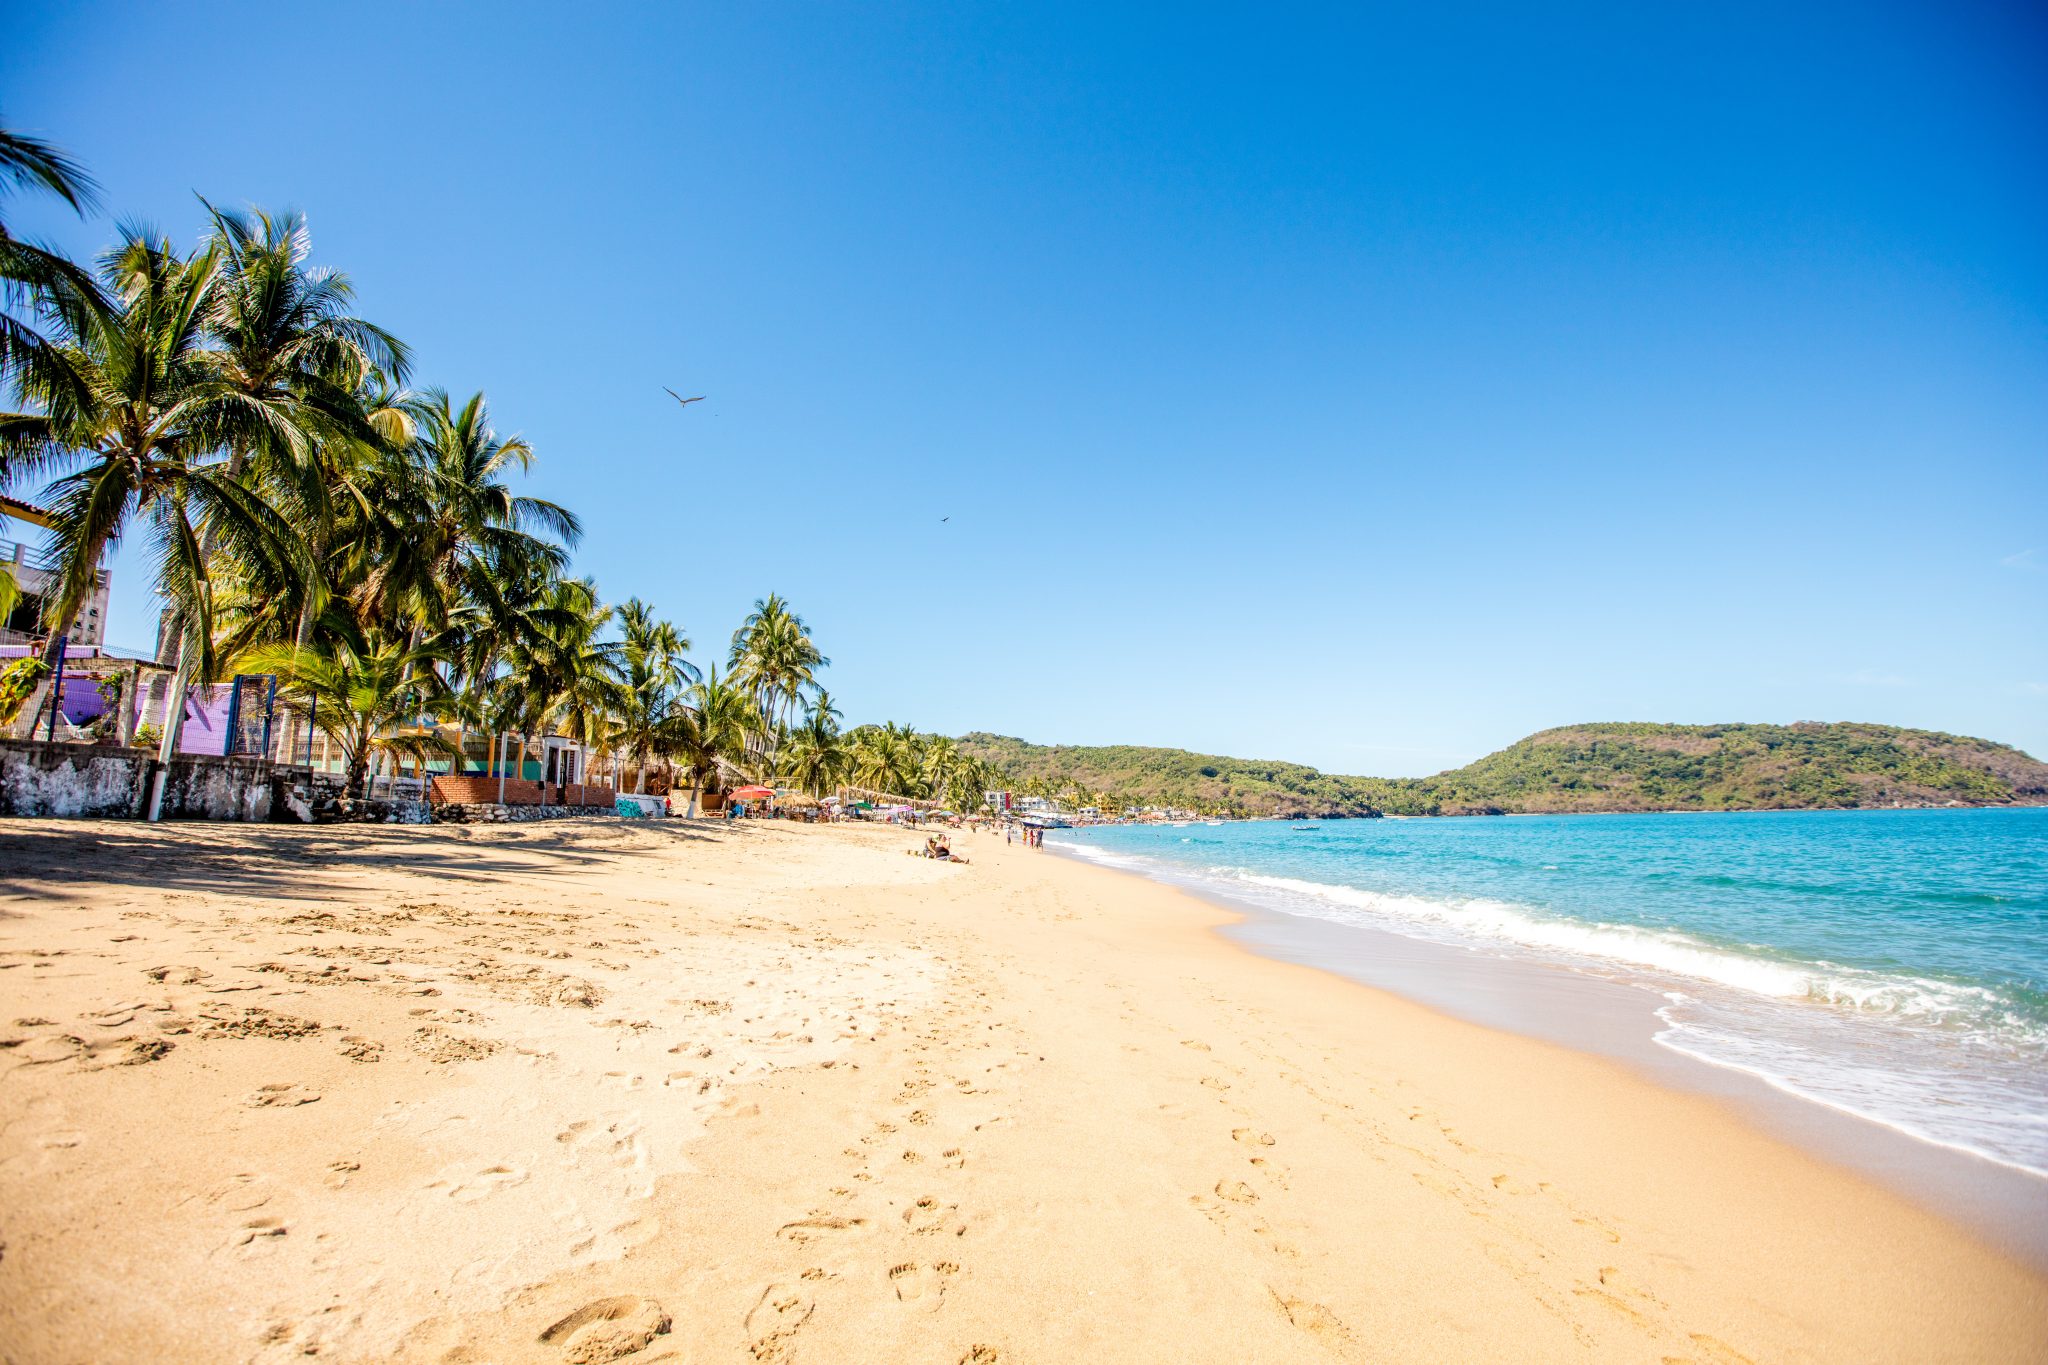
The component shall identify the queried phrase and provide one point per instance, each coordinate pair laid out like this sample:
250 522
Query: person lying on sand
944 852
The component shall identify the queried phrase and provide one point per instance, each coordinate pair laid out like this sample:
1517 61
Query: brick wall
479 790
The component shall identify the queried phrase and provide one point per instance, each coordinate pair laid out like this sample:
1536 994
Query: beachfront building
24 625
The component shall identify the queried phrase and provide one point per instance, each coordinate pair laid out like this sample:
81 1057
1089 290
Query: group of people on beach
941 848
1033 837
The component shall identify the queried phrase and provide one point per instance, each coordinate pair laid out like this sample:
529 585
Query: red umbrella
754 794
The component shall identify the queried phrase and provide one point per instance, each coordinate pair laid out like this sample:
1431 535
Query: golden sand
591 1092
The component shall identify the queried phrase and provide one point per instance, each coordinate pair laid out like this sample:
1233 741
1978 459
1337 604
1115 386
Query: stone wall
101 781
491 813
95 781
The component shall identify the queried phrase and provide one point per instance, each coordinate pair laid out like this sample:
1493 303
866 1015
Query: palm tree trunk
174 723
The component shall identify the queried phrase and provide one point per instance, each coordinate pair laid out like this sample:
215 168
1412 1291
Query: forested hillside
1606 767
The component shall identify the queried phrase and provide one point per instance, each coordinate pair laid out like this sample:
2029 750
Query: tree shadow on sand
49 859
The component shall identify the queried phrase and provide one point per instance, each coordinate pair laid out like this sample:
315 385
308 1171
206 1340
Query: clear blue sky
1361 388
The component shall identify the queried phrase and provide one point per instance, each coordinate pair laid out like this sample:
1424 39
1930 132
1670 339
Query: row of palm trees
313 516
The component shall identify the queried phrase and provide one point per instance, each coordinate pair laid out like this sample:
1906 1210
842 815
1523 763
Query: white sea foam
1498 922
1952 1064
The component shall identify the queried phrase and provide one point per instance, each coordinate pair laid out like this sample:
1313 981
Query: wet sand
589 1092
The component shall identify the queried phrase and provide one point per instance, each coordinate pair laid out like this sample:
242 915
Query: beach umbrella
754 794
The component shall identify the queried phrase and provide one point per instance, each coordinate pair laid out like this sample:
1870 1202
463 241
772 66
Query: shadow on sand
41 859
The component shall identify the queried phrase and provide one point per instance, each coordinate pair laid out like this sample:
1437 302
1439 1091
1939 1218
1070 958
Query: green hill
1607 767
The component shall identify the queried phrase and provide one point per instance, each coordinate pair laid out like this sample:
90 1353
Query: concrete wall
101 781
69 779
85 781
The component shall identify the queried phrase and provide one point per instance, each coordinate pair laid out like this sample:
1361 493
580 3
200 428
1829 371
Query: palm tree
714 731
650 704
774 657
144 442
365 703
293 359
816 754
566 679
448 523
937 764
883 760
34 280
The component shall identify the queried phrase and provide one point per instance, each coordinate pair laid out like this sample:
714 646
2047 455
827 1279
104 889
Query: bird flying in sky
679 398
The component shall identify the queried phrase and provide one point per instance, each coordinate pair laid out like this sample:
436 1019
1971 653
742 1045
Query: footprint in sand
1236 1191
922 1286
482 1185
283 1095
1316 1320
240 1193
1601 1228
1620 1293
981 1355
1251 1137
606 1329
813 1228
775 1319
258 1228
928 1217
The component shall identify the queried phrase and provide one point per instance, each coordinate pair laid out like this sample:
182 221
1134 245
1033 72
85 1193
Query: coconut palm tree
883 759
714 731
366 703
566 679
938 760
35 283
815 755
774 656
145 442
448 522
650 703
293 359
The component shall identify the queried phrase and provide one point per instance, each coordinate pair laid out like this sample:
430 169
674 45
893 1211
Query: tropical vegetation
1611 767
314 515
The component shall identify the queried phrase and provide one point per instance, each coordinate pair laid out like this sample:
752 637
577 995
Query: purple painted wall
82 702
206 719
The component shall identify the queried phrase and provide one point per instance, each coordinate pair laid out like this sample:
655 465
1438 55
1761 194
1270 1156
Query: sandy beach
586 1091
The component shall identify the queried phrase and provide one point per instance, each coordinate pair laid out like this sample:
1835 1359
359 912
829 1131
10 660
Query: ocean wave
1920 1087
1922 1000
1878 1014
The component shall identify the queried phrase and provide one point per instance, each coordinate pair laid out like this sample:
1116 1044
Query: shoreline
2002 1201
781 1093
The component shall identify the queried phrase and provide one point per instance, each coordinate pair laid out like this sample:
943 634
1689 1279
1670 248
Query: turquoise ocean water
1893 964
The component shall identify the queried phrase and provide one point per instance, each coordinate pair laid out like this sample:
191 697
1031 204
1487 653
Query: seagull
679 398
945 519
